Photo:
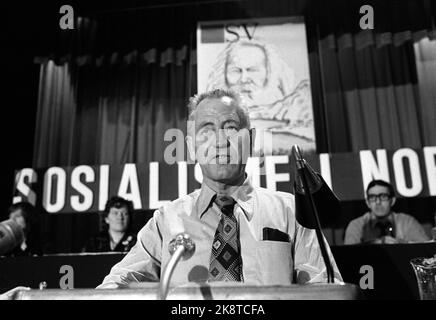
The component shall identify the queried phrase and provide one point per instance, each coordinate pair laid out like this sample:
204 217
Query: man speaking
242 233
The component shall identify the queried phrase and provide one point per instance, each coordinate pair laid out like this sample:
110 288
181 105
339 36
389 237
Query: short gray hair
217 94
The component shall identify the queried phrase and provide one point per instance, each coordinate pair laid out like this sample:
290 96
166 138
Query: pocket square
275 235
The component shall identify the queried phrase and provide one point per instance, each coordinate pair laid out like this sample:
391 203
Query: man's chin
381 215
223 172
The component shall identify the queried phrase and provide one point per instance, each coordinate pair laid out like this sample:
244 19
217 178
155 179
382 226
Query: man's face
18 217
221 145
246 70
379 207
118 219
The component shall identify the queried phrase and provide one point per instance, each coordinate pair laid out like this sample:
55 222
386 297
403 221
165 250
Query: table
393 275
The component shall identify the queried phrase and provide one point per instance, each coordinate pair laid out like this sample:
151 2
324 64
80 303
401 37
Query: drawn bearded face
246 70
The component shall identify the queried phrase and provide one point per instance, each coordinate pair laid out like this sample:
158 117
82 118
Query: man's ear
367 203
393 200
190 143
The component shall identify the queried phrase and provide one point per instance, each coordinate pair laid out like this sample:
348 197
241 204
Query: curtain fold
370 98
425 52
56 114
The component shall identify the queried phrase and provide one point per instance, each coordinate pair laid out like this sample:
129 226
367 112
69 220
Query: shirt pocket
275 262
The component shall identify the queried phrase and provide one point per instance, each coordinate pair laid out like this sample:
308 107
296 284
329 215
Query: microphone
386 228
182 246
313 194
11 235
318 190
200 274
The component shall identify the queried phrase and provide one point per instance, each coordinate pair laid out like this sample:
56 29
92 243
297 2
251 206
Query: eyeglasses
381 197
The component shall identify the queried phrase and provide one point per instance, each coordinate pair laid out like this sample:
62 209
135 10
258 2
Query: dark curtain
56 114
370 93
124 77
125 110
113 113
425 53
365 82
120 69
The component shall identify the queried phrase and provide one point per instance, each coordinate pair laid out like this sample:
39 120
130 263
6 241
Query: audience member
117 235
25 215
381 224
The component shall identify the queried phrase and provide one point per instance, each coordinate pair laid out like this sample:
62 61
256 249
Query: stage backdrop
149 185
266 61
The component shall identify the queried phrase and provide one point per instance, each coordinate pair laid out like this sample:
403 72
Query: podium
193 291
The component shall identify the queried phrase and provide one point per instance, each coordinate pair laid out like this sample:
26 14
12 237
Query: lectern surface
224 291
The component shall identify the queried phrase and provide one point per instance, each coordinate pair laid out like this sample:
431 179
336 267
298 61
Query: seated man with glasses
381 224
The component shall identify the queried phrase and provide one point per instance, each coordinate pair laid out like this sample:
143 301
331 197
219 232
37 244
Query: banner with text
87 188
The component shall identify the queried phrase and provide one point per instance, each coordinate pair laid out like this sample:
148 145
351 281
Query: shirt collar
243 195
374 219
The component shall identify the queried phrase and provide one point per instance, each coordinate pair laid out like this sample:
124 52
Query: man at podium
242 233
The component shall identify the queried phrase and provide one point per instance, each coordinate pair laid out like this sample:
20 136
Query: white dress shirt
265 262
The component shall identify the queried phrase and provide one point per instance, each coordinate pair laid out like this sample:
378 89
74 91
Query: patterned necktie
225 259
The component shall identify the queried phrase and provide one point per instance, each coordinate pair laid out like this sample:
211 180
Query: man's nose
244 76
222 140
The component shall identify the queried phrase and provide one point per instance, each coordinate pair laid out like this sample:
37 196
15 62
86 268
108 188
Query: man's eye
205 132
235 70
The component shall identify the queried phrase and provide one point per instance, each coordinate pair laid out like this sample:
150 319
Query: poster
266 62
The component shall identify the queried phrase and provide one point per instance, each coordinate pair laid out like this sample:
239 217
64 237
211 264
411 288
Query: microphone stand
301 167
181 246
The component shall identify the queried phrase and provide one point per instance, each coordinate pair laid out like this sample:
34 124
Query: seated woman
117 235
24 214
